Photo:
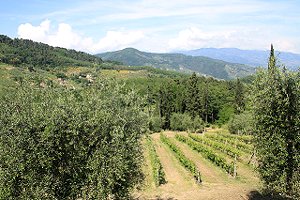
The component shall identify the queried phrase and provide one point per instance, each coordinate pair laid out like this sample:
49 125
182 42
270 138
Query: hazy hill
179 62
35 54
248 57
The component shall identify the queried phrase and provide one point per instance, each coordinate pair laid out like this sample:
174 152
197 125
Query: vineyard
214 165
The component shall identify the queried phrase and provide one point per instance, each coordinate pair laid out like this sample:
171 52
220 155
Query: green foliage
187 163
239 97
166 104
241 124
207 153
193 99
276 106
184 122
225 114
241 146
157 169
156 123
198 125
61 75
248 139
232 152
183 96
181 122
57 143
26 52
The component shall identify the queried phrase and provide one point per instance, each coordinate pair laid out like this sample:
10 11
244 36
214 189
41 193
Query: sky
96 26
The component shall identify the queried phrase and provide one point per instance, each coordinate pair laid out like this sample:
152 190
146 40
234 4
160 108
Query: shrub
198 125
61 75
181 122
156 123
241 124
184 122
57 143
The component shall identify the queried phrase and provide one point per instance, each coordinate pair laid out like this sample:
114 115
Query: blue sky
154 25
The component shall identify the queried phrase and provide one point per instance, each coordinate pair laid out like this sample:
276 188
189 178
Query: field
217 182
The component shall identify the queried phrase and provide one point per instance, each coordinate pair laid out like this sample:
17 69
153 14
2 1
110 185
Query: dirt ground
216 185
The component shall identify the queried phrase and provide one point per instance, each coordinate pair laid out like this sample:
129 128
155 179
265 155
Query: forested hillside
34 54
179 62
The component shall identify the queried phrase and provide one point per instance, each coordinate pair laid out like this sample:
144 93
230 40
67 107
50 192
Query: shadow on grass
255 195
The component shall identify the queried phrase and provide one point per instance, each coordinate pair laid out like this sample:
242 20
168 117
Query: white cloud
118 40
65 36
246 37
193 37
27 31
239 37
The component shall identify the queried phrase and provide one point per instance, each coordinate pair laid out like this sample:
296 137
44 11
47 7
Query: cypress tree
272 59
193 104
166 103
277 121
239 97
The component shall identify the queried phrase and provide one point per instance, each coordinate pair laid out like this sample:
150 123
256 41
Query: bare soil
216 185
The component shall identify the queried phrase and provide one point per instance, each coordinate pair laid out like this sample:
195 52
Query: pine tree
277 121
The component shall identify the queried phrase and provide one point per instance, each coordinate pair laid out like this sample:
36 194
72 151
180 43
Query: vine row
157 169
187 163
232 152
247 148
208 153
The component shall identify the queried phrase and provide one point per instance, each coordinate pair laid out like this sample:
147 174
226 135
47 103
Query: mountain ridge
179 62
255 58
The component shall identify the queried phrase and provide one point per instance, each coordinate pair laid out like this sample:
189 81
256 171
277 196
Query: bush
241 124
180 122
156 123
184 122
70 144
61 75
198 125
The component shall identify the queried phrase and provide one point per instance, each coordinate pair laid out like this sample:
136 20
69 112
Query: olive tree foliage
184 122
276 108
241 123
58 143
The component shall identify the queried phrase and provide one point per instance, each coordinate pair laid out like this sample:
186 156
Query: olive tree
57 143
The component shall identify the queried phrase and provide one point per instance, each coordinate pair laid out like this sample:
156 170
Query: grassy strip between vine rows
207 153
230 151
247 148
187 163
157 169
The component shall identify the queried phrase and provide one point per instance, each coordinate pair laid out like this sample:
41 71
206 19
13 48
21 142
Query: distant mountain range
248 57
180 62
